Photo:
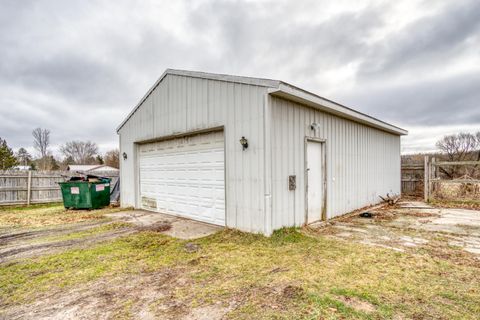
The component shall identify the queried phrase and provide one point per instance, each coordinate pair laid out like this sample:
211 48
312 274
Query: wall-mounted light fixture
124 155
314 126
244 143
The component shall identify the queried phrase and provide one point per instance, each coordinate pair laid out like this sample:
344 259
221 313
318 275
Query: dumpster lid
87 178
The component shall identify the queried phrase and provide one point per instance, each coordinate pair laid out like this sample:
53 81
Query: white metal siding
362 162
182 104
185 177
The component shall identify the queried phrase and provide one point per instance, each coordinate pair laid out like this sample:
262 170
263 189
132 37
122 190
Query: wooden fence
28 187
412 179
461 188
428 180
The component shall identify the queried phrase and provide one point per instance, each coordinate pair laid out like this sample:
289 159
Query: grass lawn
44 215
291 275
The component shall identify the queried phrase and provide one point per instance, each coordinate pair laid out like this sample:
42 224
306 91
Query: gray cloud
251 34
78 67
454 100
429 40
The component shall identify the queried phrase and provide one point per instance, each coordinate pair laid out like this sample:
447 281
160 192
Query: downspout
267 165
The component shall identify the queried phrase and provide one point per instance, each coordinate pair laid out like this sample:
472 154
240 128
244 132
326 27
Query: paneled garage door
185 177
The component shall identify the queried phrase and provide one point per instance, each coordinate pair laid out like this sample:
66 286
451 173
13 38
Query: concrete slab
460 227
414 205
142 218
458 217
180 227
190 229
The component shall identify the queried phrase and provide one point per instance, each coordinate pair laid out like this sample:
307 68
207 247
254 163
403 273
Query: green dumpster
78 194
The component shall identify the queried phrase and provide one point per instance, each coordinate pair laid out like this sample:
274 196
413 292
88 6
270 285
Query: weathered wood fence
427 181
412 179
28 187
465 187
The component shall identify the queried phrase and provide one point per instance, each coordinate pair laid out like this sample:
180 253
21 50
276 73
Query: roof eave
292 93
143 99
280 89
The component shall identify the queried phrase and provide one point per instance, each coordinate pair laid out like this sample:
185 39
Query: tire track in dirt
6 238
34 250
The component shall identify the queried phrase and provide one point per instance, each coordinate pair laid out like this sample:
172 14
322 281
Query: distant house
22 168
91 168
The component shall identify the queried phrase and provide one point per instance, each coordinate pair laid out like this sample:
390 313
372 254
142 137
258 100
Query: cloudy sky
78 67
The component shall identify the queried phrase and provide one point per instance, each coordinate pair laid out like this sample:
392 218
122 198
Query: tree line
456 147
73 152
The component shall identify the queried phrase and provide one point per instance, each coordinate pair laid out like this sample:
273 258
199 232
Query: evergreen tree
66 162
23 157
52 163
7 159
99 159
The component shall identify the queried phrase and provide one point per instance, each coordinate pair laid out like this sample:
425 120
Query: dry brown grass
37 216
457 204
290 275
295 274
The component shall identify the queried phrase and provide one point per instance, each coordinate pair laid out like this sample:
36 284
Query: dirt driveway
26 243
410 261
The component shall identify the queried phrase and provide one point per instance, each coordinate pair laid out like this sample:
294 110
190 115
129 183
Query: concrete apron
459 227
181 228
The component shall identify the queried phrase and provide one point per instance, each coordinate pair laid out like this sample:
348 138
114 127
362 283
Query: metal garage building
303 158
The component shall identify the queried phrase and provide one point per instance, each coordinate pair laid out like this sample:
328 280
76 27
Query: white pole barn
252 154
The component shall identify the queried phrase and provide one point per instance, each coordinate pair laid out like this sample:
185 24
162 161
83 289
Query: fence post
426 180
433 176
29 187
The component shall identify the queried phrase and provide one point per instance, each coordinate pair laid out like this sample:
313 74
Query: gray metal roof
284 90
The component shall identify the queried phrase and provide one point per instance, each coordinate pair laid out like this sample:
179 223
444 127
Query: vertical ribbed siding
362 162
182 104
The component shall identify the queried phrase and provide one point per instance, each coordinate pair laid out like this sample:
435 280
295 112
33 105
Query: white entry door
185 177
314 181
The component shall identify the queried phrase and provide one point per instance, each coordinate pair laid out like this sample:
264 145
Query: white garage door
185 177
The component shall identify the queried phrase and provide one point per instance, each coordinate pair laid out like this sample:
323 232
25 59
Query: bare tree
41 141
477 136
82 152
112 158
458 147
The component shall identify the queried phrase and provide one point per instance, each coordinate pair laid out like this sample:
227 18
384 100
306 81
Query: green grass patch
24 280
287 276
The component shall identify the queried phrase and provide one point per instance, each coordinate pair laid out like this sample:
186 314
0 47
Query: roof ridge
275 87
223 76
